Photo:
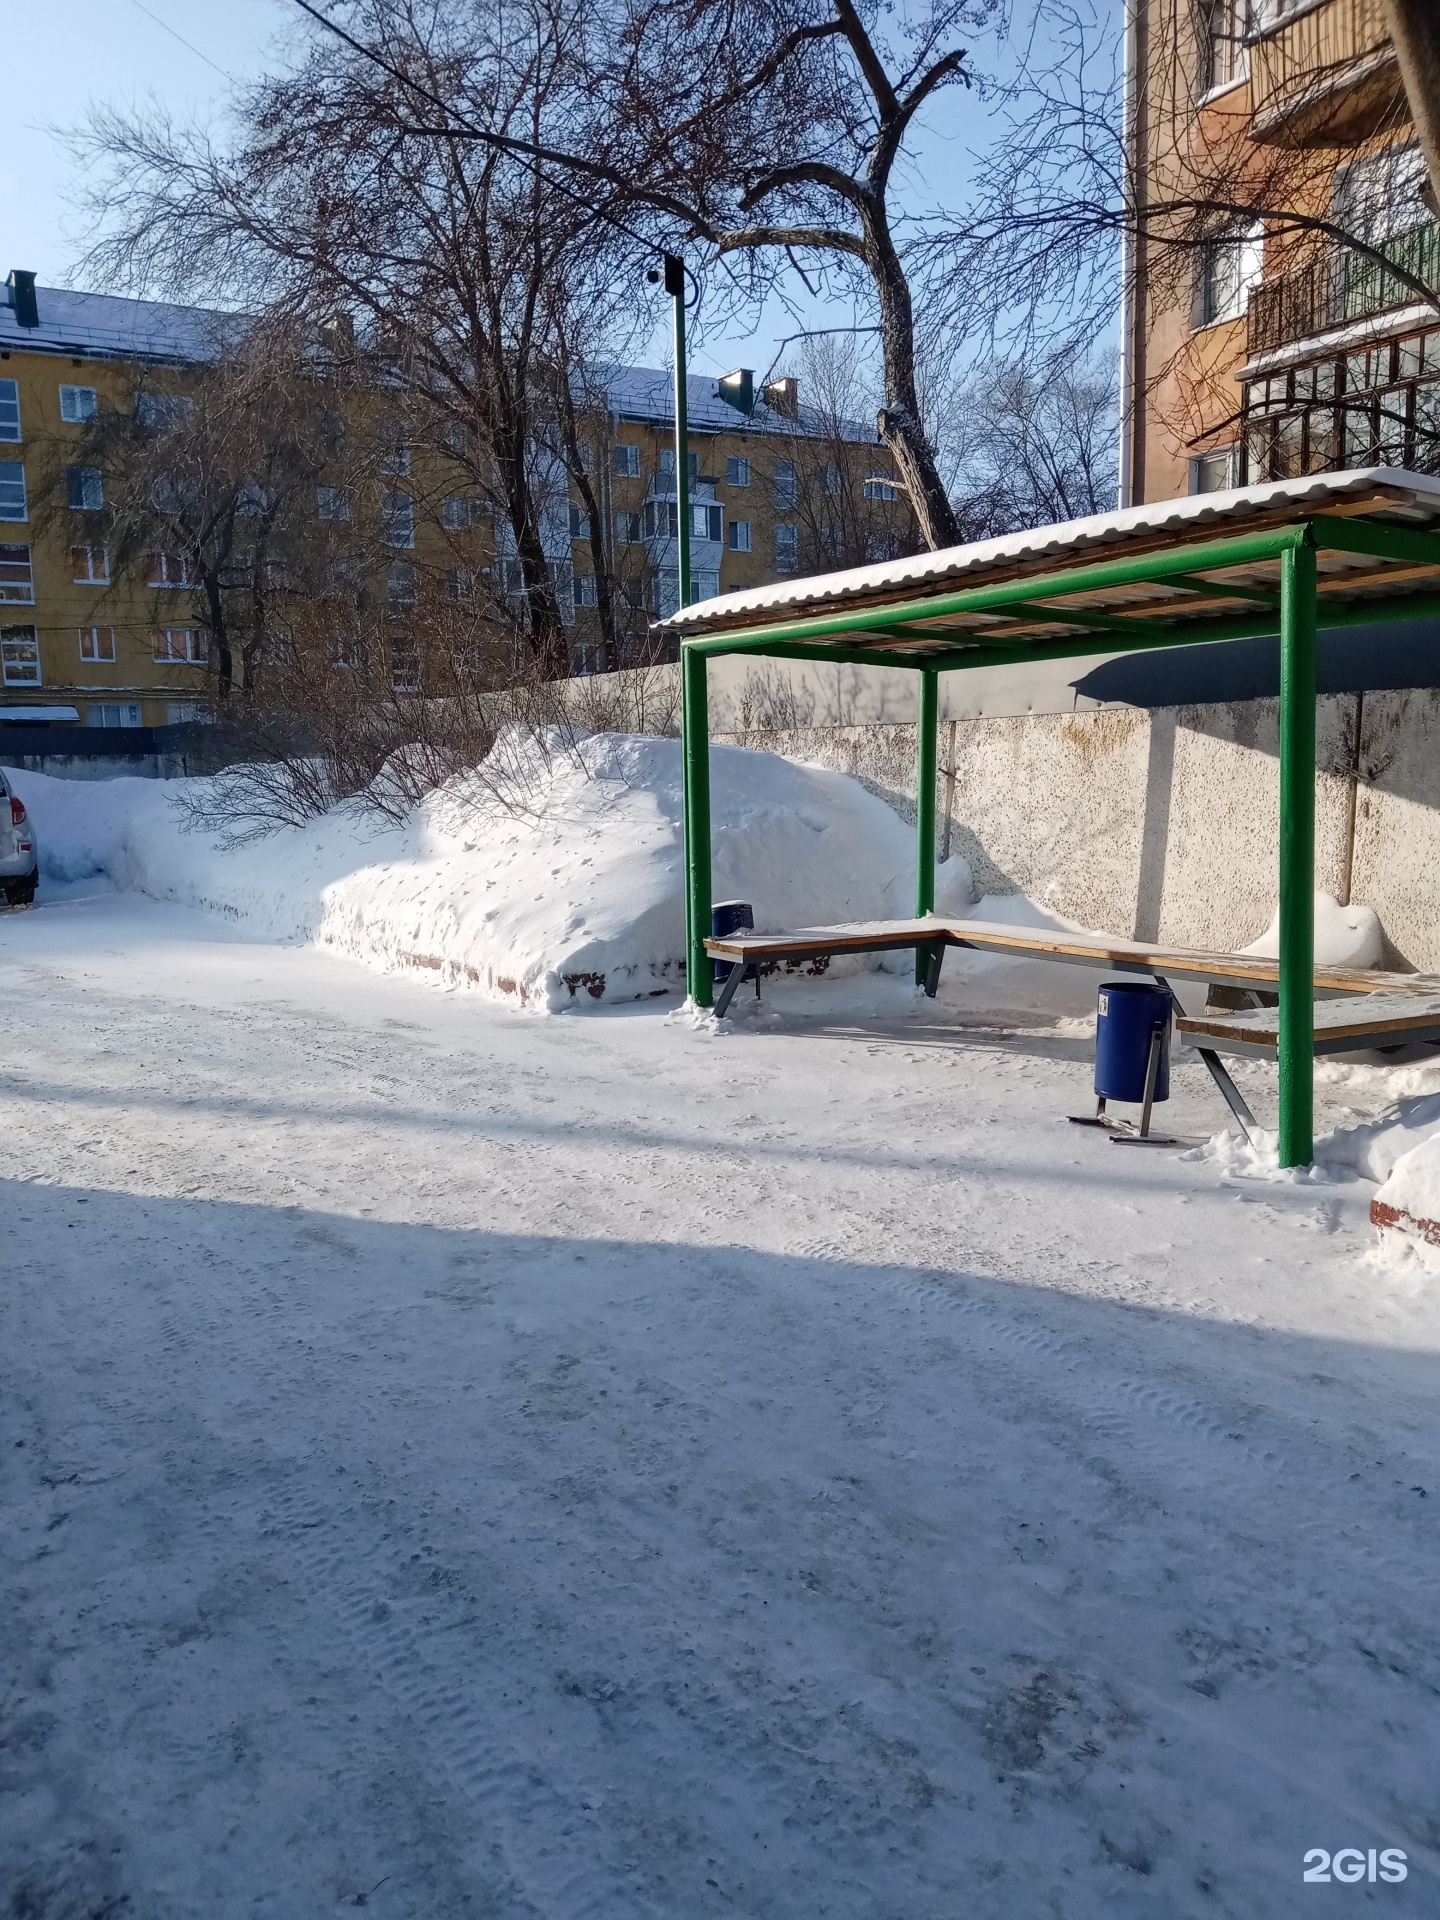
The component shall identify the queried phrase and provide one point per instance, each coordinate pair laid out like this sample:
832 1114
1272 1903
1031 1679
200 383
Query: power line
165 24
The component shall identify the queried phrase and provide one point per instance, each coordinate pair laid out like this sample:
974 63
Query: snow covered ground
458 1464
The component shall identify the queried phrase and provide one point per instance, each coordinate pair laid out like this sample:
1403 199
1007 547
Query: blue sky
66 54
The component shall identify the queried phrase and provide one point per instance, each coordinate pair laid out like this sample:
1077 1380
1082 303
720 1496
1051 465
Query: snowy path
458 1463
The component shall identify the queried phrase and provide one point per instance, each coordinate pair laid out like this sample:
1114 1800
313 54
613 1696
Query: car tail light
17 812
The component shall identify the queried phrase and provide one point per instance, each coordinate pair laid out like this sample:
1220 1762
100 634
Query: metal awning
1284 559
1181 571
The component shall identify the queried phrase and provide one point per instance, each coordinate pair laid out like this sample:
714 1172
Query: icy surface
456 1464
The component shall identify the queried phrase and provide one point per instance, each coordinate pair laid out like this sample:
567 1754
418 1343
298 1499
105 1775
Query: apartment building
1276 346
89 636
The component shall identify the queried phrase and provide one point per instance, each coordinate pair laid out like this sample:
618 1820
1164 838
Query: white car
19 849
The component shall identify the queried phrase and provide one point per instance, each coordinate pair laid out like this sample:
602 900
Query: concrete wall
1164 824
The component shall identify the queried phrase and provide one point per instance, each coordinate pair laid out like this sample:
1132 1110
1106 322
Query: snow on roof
110 325
648 394
1410 496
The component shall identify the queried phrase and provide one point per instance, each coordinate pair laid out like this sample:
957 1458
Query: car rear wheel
21 893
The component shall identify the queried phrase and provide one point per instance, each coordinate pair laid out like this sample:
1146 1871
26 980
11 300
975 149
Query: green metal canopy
1330 550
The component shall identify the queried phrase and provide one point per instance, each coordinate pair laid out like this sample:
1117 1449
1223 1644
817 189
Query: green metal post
927 734
695 747
1297 857
675 287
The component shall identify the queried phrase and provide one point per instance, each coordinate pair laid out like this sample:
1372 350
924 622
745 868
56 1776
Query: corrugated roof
107 324
1411 498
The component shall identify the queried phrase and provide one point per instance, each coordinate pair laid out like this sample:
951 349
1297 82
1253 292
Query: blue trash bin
727 917
1129 1012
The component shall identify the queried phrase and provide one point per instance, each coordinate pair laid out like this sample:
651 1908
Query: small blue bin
1129 1012
727 917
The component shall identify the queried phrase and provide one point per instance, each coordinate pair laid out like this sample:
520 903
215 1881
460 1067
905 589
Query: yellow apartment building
773 489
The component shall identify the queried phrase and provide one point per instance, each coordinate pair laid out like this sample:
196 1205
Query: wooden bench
748 951
1355 1006
1379 1019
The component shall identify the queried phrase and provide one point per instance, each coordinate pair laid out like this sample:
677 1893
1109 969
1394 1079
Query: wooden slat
1363 1021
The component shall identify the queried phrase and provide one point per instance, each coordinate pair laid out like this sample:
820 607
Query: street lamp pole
675 287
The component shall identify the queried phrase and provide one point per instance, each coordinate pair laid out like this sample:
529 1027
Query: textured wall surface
1164 825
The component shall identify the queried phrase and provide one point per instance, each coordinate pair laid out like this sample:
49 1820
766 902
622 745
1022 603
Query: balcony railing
1327 77
1338 287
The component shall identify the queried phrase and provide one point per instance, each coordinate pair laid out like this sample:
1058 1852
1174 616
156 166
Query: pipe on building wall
1133 298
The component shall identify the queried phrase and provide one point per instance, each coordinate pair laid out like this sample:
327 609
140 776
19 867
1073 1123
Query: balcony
1326 76
1338 287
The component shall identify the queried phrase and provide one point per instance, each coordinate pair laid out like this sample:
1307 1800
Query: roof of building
648 394
115 326
1411 499
110 325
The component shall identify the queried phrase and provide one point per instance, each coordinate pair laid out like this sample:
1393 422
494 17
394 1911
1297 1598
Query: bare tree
849 509
1038 443
463 275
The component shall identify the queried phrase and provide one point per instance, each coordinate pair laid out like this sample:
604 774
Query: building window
90 566
398 512
20 655
332 503
1214 472
706 523
405 667
787 548
394 448
586 591
113 713
457 512
77 404
400 586
878 487
171 570
579 524
462 584
628 530
1229 267
740 536
256 500
832 482
627 463
784 483
84 489
1378 198
1223 27
585 454
704 583
157 410
456 439
662 519
17 580
97 645
179 646
737 472
13 505
667 462
9 409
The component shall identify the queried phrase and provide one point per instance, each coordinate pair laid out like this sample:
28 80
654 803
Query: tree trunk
1415 29
898 421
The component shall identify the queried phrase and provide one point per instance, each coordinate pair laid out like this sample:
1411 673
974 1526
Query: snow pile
577 897
1344 936
1407 1207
